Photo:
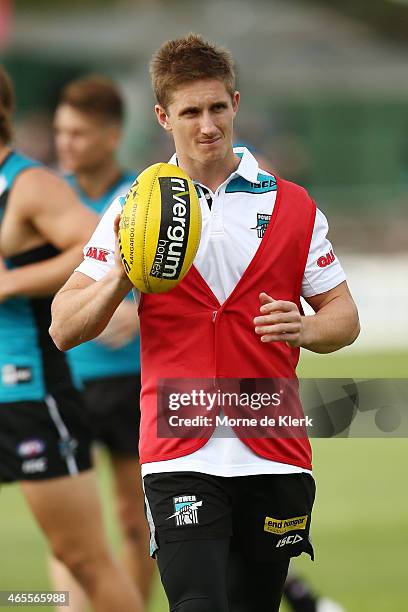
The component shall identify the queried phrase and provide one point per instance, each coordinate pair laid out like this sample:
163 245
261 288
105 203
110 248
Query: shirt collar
247 168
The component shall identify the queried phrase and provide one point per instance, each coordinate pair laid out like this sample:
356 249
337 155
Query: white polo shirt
234 219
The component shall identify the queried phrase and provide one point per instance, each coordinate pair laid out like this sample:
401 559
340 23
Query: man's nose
62 141
208 127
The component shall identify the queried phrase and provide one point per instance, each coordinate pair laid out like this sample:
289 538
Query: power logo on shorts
186 510
280 526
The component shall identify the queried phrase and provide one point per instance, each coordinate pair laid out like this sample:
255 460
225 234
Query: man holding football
262 237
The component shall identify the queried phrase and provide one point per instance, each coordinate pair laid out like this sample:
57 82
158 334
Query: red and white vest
187 333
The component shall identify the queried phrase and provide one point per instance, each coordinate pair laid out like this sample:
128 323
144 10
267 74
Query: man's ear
235 101
162 117
115 135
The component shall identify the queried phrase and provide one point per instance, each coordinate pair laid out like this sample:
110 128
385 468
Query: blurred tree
6 10
76 4
388 16
52 4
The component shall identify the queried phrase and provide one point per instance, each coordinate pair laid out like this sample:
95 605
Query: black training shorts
267 515
113 412
44 439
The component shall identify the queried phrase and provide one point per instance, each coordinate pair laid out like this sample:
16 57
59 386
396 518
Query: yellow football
160 228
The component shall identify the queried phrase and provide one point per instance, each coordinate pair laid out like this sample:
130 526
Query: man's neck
210 175
4 151
96 182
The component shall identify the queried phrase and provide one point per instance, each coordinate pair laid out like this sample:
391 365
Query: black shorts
113 411
267 515
44 439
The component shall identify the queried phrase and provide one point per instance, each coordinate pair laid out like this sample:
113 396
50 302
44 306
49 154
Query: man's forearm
80 314
336 325
42 278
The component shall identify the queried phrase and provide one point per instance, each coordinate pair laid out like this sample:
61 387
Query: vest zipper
213 318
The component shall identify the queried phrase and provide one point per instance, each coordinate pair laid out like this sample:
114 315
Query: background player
44 441
239 481
88 127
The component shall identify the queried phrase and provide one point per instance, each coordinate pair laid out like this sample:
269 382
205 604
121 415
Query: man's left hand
280 321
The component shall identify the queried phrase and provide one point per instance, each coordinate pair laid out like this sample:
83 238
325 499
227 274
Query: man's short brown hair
188 59
6 106
94 95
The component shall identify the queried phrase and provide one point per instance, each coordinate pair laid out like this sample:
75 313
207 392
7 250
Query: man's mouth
210 141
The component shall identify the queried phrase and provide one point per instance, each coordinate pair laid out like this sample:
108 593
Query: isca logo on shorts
186 510
34 466
290 539
279 526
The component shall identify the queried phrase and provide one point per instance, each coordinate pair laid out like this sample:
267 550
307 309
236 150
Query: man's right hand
118 260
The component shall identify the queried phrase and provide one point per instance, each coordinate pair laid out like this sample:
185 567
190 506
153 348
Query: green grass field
360 525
